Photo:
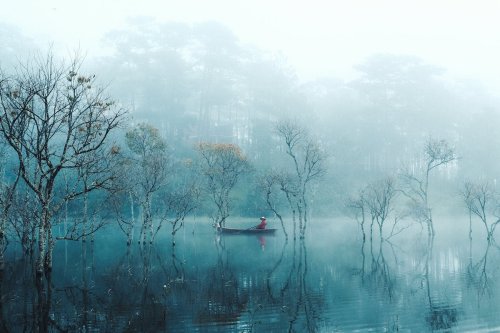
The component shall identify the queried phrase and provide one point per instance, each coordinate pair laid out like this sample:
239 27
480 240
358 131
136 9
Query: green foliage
222 165
144 139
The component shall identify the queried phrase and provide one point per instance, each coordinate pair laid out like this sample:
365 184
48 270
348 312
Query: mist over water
132 134
329 281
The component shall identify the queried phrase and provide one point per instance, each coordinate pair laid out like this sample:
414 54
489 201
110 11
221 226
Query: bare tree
378 197
178 204
308 164
126 221
376 201
52 115
480 200
416 184
357 206
23 217
272 186
94 172
222 165
149 169
7 193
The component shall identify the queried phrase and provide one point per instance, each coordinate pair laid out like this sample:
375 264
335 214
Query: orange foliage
221 148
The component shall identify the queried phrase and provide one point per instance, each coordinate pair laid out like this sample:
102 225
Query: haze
317 38
249 166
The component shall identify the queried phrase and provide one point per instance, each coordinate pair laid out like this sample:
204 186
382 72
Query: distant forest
185 119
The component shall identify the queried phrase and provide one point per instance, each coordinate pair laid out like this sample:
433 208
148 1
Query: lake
331 281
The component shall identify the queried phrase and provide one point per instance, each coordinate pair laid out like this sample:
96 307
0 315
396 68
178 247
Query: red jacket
262 224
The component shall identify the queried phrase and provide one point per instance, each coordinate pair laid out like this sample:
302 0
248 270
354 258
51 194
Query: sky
318 38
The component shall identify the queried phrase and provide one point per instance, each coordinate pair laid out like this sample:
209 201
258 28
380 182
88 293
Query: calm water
329 282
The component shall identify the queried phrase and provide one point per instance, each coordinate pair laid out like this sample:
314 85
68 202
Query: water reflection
383 270
303 305
43 303
26 300
442 313
134 293
380 275
241 296
147 289
478 272
226 301
252 284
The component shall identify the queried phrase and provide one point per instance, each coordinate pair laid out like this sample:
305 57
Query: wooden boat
250 231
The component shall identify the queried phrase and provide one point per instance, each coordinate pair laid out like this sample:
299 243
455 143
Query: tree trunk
426 201
146 219
130 231
45 242
85 216
301 220
65 217
85 288
142 232
41 247
431 230
50 249
151 231
3 238
2 246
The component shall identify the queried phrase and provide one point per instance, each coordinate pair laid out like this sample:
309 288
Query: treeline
72 165
199 82
201 123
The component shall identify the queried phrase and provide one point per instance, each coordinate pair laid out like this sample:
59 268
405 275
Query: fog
371 82
163 132
317 38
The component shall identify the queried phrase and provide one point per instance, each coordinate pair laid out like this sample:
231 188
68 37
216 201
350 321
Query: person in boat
262 224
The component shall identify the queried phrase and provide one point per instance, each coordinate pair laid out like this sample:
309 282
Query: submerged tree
480 200
164 189
222 165
94 172
308 164
149 166
376 201
178 204
357 207
378 197
273 184
52 115
416 184
23 217
7 194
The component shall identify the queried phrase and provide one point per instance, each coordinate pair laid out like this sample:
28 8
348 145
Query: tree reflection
272 272
442 314
380 272
224 301
304 303
141 298
25 299
300 304
284 289
43 302
3 320
152 315
118 299
477 275
32 312
442 317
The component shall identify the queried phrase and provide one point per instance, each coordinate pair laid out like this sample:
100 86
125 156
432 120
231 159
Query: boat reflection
228 283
